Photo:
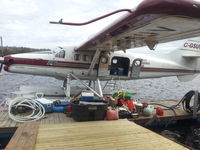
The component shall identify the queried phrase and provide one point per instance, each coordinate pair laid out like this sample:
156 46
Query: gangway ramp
112 135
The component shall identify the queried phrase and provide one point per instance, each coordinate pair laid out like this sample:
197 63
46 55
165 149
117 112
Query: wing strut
94 61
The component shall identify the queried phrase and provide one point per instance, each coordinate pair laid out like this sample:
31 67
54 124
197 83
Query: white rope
38 111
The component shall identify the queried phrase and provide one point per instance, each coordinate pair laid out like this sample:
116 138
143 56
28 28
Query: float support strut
99 95
67 86
99 87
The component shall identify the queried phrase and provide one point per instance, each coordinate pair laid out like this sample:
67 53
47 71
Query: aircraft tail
188 56
191 49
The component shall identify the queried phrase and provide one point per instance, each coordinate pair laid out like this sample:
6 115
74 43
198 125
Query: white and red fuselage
59 64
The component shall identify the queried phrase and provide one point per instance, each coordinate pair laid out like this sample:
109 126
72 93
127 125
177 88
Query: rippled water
147 89
10 82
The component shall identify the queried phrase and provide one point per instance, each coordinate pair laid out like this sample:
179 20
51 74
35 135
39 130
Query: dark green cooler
89 110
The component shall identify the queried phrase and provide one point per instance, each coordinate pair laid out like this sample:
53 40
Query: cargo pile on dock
87 107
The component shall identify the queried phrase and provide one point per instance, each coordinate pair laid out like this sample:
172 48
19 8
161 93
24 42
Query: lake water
147 89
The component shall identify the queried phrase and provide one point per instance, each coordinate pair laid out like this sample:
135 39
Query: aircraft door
120 66
136 67
103 66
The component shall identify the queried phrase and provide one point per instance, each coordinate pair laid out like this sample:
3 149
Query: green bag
123 95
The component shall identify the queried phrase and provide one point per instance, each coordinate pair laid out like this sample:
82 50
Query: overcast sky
26 22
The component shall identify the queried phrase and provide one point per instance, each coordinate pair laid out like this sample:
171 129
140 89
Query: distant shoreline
8 50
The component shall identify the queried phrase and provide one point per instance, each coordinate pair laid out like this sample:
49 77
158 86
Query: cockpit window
60 54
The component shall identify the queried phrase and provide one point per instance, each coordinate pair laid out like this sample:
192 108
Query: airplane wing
152 22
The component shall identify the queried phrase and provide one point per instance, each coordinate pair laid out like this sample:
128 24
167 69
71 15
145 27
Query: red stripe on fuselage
39 62
145 69
67 64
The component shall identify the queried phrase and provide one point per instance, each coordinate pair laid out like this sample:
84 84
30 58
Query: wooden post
25 137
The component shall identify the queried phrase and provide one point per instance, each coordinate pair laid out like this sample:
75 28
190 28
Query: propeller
1 58
1 61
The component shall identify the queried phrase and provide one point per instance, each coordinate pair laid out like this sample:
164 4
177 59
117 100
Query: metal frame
66 85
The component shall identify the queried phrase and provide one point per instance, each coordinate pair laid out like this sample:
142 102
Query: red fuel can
159 111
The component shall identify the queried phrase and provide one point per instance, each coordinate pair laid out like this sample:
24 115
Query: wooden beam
25 137
8 130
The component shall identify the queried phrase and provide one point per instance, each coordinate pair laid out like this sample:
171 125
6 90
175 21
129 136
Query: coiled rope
37 111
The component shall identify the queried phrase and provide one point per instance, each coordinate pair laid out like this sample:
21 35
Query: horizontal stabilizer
191 55
186 78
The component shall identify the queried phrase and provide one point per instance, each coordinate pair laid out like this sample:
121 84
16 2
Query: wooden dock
57 131
56 118
112 135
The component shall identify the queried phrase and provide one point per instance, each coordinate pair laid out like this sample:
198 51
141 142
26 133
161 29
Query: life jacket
129 103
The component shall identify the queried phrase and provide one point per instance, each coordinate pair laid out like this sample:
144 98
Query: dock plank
4 119
120 134
24 138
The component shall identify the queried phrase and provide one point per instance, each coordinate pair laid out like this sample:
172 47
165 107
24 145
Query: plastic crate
86 97
47 104
90 111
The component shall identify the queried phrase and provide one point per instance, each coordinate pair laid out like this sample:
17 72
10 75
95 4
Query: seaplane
106 55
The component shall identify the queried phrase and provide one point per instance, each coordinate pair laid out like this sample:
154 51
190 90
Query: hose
38 111
185 103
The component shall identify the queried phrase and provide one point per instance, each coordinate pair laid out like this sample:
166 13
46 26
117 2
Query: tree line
8 50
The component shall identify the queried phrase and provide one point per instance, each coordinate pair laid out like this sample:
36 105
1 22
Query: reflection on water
146 89
10 82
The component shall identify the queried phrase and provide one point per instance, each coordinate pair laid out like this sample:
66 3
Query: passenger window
114 61
85 58
77 57
92 57
104 60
